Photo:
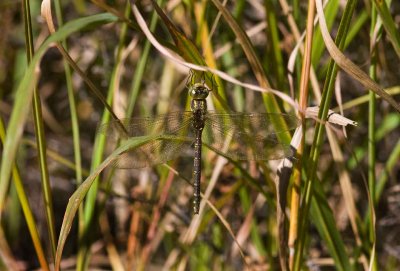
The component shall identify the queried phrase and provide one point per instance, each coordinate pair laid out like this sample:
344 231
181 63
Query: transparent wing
158 125
174 129
248 136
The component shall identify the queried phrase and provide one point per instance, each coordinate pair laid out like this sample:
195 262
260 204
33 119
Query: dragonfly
238 136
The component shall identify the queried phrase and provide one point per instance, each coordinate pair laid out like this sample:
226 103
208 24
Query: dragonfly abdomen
197 172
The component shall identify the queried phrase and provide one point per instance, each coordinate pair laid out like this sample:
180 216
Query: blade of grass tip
24 94
76 199
318 136
26 209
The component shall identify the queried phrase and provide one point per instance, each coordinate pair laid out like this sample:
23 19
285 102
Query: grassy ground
332 206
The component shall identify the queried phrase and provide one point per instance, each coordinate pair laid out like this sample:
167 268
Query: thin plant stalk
40 137
100 141
372 125
74 119
305 75
319 133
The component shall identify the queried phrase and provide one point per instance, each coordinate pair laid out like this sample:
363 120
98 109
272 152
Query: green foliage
106 63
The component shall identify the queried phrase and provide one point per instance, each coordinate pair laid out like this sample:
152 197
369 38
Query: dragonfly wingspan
154 152
244 136
171 136
239 136
144 126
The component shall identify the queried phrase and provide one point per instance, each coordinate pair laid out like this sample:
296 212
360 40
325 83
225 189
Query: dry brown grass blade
246 45
114 257
147 250
176 60
347 65
133 242
244 230
297 176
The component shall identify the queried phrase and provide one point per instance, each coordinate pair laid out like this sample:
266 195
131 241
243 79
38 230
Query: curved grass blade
77 198
26 208
25 91
348 66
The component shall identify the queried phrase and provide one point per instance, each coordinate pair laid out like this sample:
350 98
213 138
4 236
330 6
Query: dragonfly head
199 91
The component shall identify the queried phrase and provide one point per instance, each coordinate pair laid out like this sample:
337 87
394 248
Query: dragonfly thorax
199 93
199 106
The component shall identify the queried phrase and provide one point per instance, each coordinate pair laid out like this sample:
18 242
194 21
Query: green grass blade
323 219
100 142
139 71
78 196
24 95
74 118
185 47
26 209
276 66
389 24
40 137
319 133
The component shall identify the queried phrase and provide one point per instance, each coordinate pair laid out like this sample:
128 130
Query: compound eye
199 91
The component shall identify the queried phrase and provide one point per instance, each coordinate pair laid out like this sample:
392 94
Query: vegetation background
340 210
